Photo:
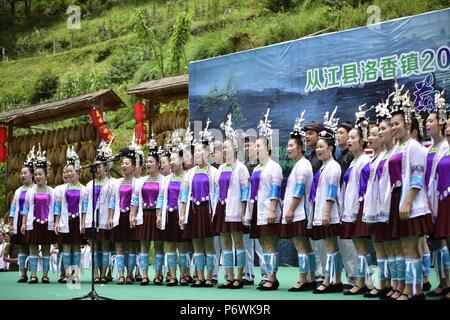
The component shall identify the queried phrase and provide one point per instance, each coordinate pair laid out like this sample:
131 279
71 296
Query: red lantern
3 135
96 118
105 134
139 112
3 153
140 133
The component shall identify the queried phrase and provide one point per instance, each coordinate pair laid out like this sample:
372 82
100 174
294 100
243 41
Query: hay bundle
33 141
45 140
23 144
90 151
83 153
92 132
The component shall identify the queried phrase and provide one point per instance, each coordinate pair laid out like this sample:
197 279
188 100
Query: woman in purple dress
232 185
143 216
15 215
37 225
353 192
119 214
197 198
68 208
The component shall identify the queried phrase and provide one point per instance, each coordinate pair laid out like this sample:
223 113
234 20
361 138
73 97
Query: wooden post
8 159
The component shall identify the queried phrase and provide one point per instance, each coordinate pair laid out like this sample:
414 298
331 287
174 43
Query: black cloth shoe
360 291
33 280
261 283
173 282
348 286
379 293
418 297
303 287
328 289
274 286
198 284
210 284
144 282
338 287
22 279
440 294
248 282
426 286
227 285
239 286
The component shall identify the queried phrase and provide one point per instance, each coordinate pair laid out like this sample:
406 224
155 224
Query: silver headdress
398 98
136 148
177 142
383 111
206 138
330 123
402 103
188 136
362 122
104 151
152 146
297 131
265 129
230 133
72 157
441 107
40 160
29 162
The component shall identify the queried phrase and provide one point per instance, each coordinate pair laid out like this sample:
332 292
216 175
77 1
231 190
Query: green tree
178 41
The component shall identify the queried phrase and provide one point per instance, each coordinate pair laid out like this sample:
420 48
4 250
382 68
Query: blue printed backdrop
343 69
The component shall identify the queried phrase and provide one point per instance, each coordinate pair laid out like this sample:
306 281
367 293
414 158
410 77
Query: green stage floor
10 290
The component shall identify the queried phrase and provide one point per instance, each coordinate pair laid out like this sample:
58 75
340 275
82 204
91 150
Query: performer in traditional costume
232 183
198 199
264 210
104 186
143 215
15 215
297 210
411 215
38 223
68 208
323 196
353 192
119 213
438 181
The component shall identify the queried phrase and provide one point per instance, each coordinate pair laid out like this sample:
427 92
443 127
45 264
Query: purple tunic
380 167
22 200
224 184
125 193
255 185
347 175
395 169
97 191
443 172
41 207
430 158
363 181
150 191
173 193
73 202
200 188
314 186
